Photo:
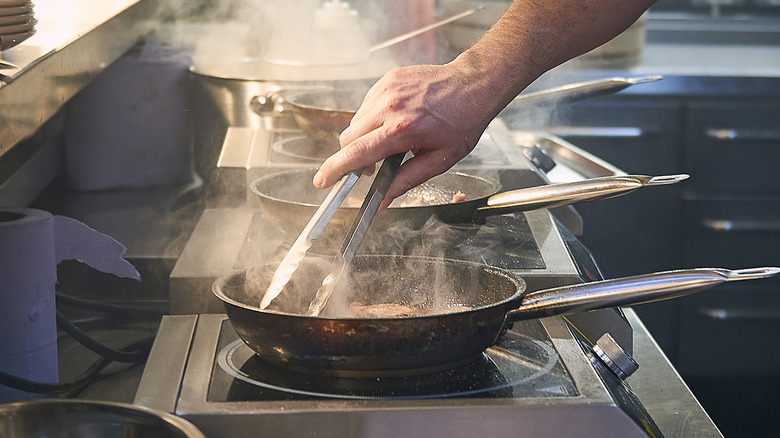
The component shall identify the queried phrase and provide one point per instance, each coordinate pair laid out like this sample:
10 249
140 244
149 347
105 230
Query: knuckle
344 137
401 125
356 150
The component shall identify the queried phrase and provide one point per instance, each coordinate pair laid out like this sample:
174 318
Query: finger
363 122
414 172
363 152
367 118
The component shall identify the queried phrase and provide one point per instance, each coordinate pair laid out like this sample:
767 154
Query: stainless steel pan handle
556 195
629 291
414 33
576 92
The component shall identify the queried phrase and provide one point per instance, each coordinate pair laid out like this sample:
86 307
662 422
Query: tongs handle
368 210
311 231
332 202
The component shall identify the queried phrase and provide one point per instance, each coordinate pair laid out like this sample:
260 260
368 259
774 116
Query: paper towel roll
32 242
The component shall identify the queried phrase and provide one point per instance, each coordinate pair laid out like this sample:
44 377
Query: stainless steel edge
674 409
56 64
163 374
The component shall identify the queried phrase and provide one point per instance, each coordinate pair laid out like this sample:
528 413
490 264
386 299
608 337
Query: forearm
534 36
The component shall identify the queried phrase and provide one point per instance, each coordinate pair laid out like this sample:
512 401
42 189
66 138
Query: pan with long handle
288 198
323 114
462 308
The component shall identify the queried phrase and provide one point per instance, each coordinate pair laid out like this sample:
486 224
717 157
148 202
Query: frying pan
323 114
336 343
288 199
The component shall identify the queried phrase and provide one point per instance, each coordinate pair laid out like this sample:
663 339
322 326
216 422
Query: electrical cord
97 347
136 352
143 345
107 307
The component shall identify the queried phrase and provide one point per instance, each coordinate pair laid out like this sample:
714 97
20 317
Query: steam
297 33
221 33
417 280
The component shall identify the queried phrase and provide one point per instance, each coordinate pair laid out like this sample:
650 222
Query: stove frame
179 370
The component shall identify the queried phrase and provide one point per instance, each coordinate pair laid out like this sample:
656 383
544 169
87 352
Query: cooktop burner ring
495 374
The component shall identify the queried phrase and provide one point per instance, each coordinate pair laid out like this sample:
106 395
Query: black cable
136 352
95 346
107 307
82 381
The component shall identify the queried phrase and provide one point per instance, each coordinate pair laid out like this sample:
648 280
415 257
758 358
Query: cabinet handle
719 314
595 131
735 226
726 134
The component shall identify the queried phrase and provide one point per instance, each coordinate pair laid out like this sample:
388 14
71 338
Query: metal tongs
320 219
376 193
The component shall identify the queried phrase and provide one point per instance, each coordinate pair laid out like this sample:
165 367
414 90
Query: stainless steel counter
74 41
663 392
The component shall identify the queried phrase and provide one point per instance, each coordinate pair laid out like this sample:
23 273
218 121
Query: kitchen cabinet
732 219
726 215
639 232
733 146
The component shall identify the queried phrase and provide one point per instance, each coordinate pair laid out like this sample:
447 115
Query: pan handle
557 195
575 92
629 291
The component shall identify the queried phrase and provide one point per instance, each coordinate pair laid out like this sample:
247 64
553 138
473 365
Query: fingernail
318 179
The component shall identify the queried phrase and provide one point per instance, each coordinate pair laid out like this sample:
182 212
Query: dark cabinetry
640 232
723 342
732 218
727 348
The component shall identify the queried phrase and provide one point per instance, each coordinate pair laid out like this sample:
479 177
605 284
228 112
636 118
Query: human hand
434 111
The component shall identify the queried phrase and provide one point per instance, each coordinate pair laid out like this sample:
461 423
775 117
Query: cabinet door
734 147
642 231
731 331
732 231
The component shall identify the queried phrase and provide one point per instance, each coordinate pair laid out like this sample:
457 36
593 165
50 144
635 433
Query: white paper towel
32 242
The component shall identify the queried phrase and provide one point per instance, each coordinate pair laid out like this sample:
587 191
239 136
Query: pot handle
575 92
557 195
629 291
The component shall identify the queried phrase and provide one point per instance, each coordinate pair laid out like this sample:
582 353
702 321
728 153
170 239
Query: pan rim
497 188
293 99
278 147
521 288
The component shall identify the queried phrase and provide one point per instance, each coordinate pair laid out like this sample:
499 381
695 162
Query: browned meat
392 310
458 197
407 200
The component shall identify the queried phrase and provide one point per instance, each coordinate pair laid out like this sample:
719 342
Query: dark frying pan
289 199
337 343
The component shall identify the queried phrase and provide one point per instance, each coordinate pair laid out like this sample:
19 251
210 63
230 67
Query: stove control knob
539 158
618 360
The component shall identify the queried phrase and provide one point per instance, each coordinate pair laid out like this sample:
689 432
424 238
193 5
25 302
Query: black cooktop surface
524 364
